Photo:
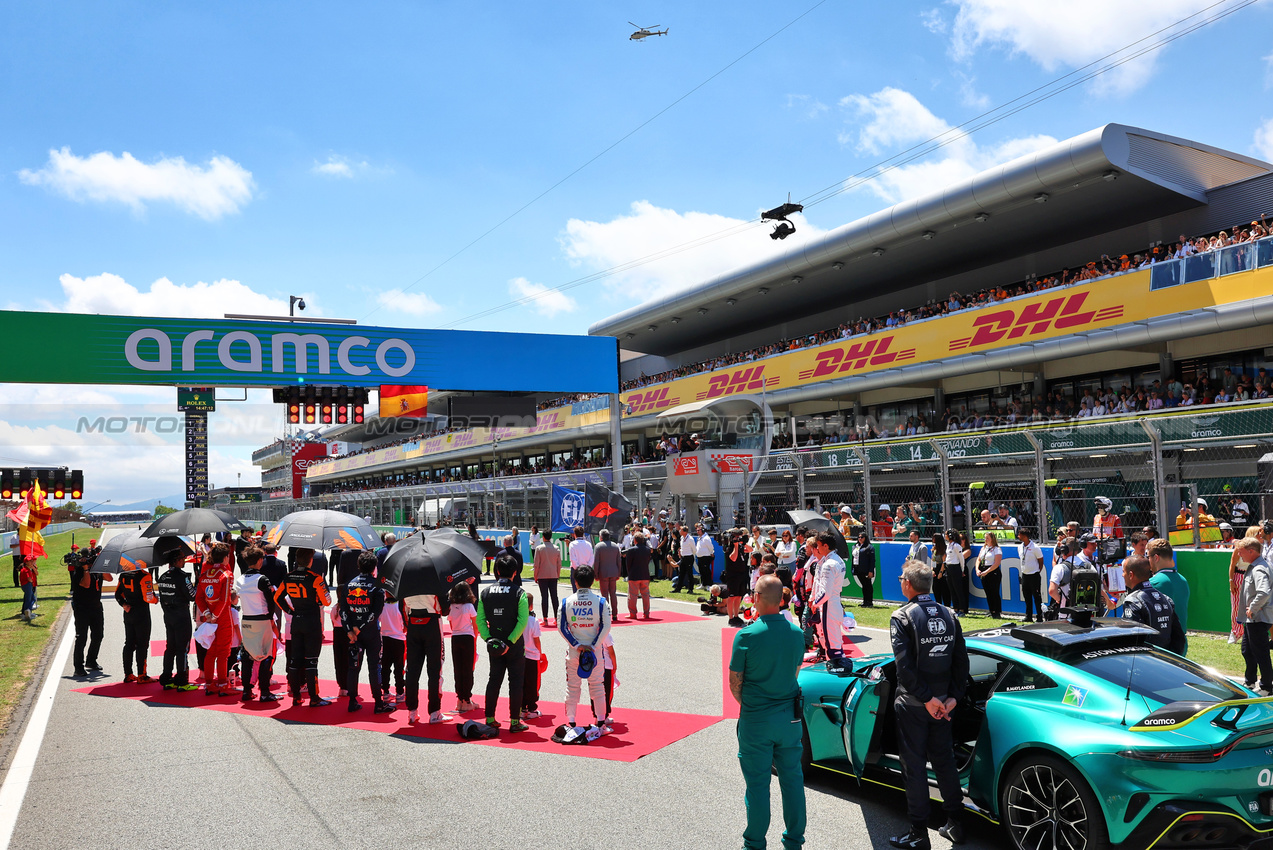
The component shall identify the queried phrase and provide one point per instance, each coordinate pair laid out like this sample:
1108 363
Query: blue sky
237 153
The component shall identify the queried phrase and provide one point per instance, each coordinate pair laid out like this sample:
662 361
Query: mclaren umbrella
130 550
432 562
815 521
193 522
324 530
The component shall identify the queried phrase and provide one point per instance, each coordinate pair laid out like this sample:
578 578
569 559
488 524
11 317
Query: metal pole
943 478
1160 477
867 513
799 480
616 444
1040 489
1193 509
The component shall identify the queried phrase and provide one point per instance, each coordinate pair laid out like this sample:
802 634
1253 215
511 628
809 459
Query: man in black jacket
1148 605
361 601
176 593
639 558
932 676
86 605
502 613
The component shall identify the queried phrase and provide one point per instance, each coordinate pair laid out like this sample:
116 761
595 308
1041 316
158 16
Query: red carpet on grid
636 733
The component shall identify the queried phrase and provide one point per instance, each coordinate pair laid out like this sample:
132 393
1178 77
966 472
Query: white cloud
413 303
340 166
1069 35
210 192
893 118
545 301
1264 140
650 230
933 21
110 293
808 104
968 94
1268 71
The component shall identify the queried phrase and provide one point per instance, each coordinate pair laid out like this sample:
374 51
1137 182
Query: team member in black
304 595
176 593
1146 604
86 605
423 615
502 613
135 594
361 601
932 675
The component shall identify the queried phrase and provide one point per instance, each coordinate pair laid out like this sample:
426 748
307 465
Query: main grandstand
1073 314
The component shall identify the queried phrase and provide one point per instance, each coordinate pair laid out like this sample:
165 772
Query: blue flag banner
567 508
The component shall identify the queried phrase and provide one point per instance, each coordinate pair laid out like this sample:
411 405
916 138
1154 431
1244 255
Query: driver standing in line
932 675
584 623
828 582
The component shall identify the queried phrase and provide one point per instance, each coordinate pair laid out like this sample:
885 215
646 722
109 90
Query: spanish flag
396 400
32 515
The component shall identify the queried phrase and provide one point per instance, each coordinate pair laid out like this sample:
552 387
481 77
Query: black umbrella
816 522
193 522
432 562
129 550
324 530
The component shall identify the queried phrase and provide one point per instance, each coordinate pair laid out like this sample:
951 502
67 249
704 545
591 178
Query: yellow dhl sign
1044 315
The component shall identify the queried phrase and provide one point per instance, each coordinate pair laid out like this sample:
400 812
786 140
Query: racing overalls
303 594
212 602
135 593
502 612
584 623
1148 605
361 602
176 592
828 582
932 662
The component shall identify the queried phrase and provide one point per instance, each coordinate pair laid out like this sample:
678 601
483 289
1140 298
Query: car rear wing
1227 714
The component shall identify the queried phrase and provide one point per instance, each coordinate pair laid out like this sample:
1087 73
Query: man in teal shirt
762 677
1167 580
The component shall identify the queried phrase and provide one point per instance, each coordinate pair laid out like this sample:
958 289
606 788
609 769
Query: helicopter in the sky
645 32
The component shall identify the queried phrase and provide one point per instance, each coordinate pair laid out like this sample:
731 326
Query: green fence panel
1208 576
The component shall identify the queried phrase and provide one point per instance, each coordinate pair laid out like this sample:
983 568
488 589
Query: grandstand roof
1108 178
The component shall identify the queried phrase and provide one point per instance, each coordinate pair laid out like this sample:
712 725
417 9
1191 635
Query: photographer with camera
86 606
1075 580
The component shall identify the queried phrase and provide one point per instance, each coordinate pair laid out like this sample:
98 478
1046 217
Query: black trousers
89 622
512 662
463 657
941 590
868 587
994 592
302 655
424 649
1032 595
957 584
136 638
530 685
255 672
922 739
177 629
393 659
368 644
547 589
340 656
684 580
608 683
706 565
1255 651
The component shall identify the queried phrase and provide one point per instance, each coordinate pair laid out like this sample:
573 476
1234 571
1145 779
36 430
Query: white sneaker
1233 638
530 715
413 716
437 717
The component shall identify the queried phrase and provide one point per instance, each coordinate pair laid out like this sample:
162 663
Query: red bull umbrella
324 530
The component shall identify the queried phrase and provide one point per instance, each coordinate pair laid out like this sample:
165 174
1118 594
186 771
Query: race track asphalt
122 773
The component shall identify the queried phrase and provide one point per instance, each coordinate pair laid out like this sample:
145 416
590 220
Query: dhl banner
1044 315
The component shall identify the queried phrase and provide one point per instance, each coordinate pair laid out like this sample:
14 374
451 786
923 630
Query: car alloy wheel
1047 806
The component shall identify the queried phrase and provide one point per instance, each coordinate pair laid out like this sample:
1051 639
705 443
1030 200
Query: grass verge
20 643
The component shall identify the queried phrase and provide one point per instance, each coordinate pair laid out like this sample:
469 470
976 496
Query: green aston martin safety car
1073 738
